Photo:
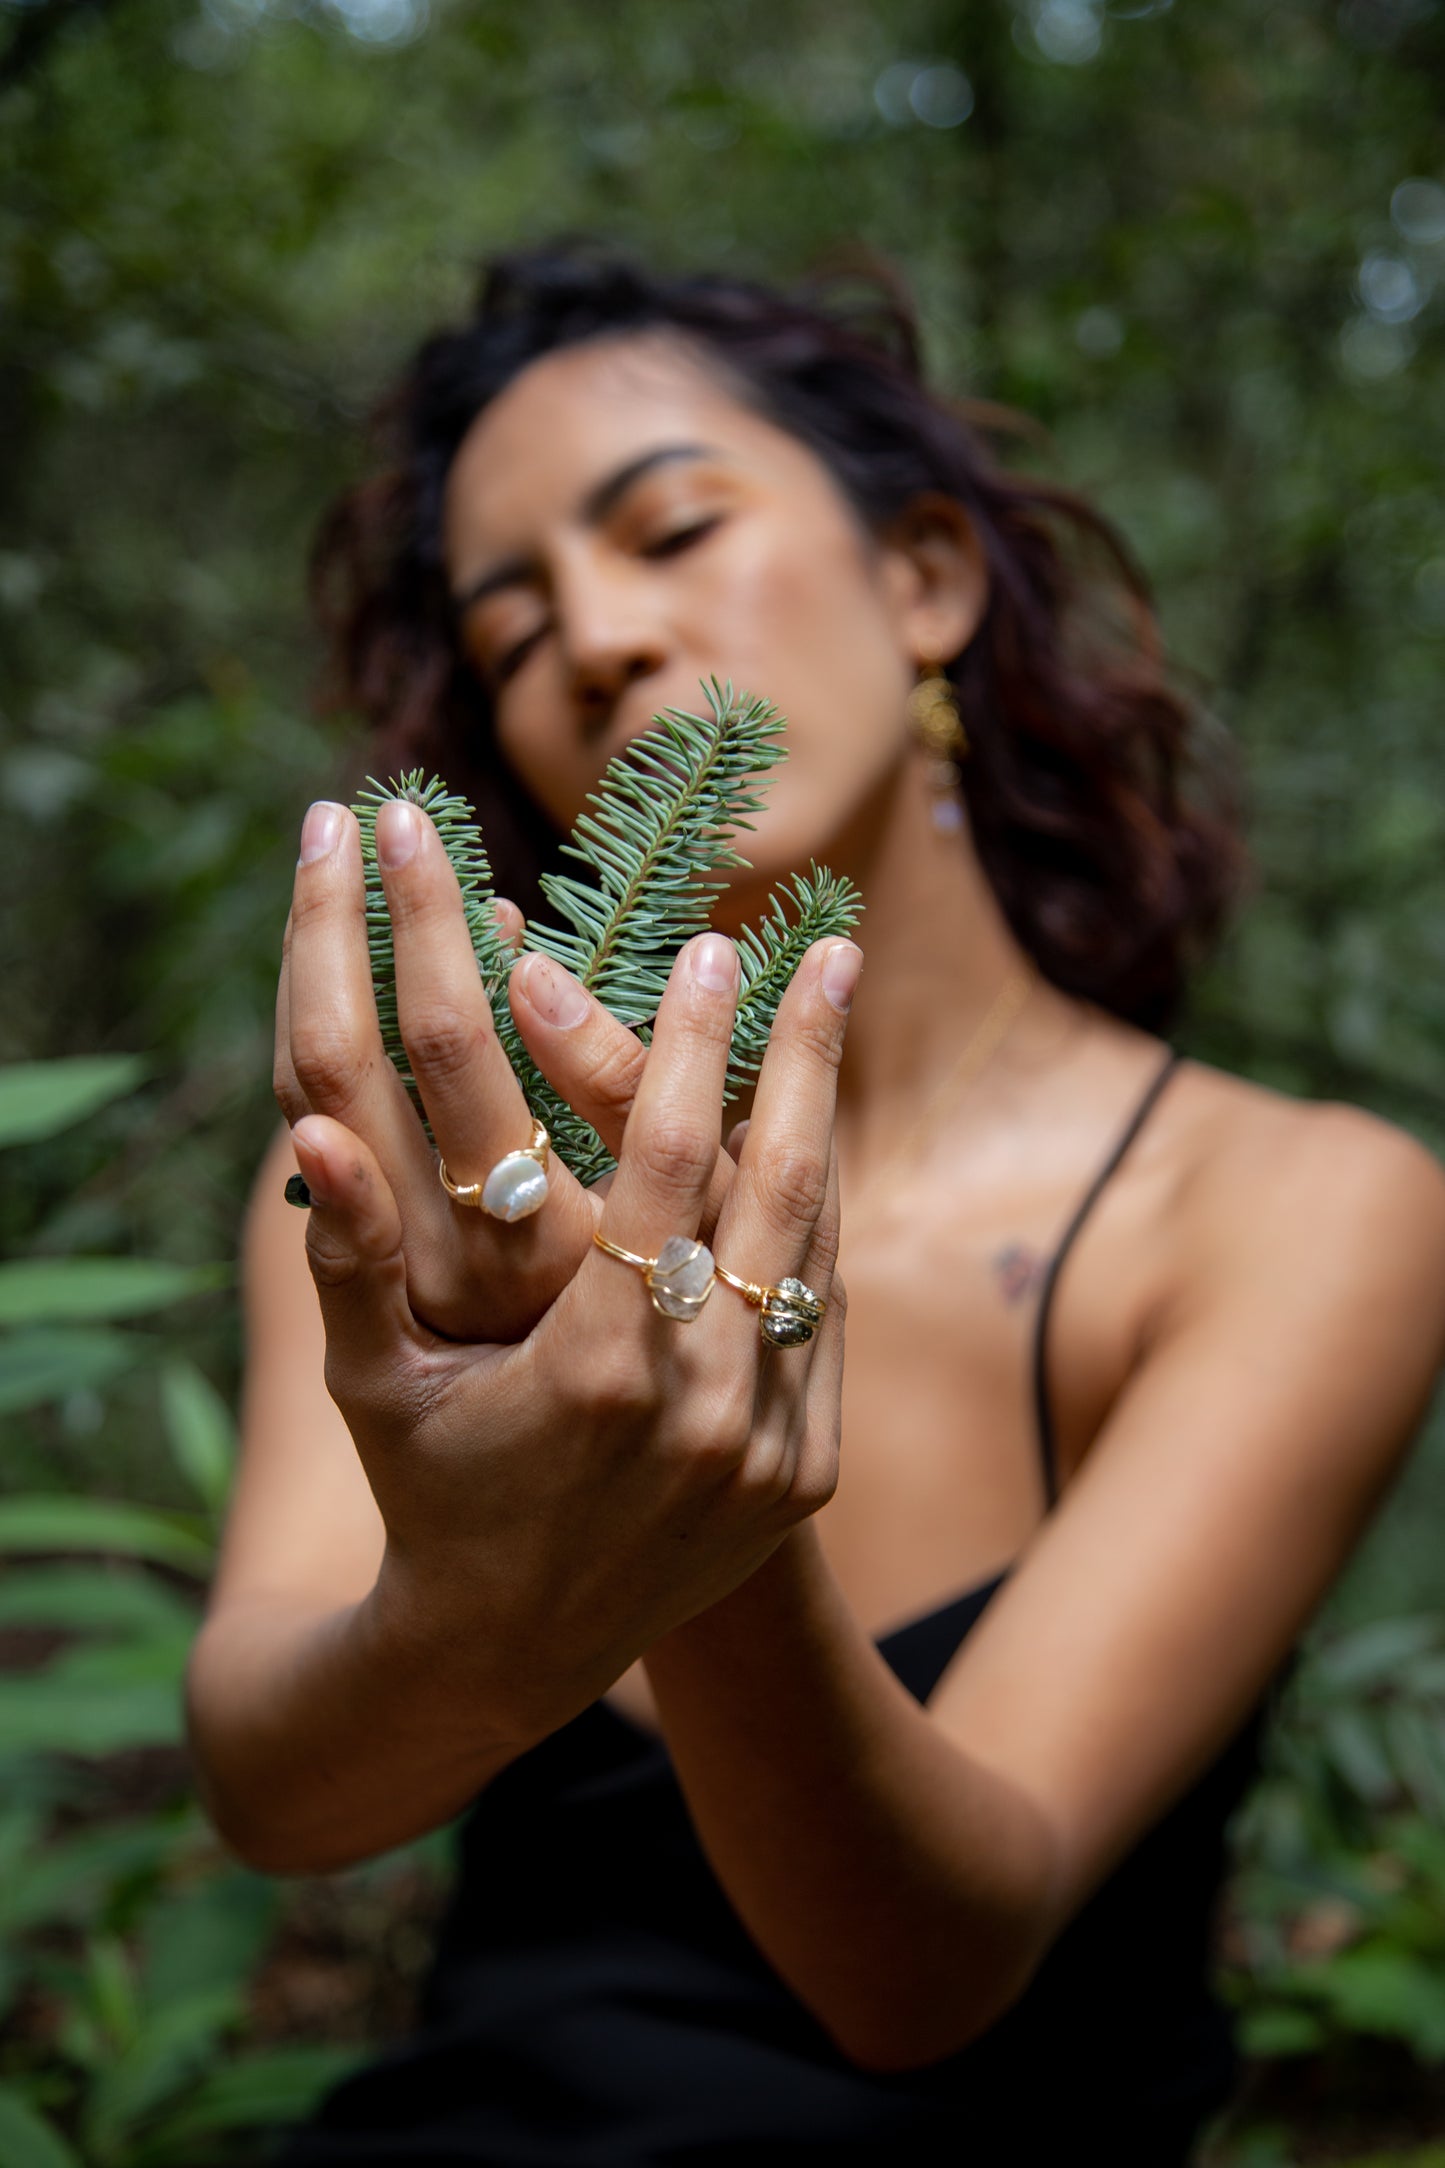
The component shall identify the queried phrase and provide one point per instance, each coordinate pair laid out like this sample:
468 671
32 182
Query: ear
939 576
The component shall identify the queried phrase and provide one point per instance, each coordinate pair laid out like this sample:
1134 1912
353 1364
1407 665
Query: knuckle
615 1072
823 1252
329 1068
671 1155
285 1092
818 1031
617 1384
443 1042
732 1418
793 1186
719 1455
333 1263
815 1481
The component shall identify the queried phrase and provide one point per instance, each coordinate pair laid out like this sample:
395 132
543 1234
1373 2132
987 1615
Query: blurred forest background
1204 247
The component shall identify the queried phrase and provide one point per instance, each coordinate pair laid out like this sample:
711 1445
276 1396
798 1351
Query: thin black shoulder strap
1047 1449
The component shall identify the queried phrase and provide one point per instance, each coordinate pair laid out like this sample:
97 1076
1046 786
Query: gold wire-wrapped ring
679 1278
515 1188
790 1312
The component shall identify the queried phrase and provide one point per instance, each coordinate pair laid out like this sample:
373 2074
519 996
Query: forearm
324 1738
902 1889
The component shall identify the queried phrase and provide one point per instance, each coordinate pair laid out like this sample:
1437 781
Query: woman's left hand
469 1276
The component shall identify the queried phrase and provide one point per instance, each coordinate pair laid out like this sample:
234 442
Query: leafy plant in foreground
657 843
127 1939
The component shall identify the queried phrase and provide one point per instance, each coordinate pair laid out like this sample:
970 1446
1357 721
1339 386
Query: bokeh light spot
942 97
1372 351
1098 332
1067 30
1389 288
1418 209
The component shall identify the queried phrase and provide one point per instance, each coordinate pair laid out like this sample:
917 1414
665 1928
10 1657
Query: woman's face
619 527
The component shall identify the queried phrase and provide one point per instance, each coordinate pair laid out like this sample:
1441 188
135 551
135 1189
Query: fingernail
398 832
552 994
319 831
715 963
313 1172
841 967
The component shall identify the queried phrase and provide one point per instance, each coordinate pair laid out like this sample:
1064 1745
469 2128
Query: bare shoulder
1268 1183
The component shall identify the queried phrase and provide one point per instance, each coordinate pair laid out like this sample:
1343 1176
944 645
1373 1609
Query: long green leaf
72 1881
80 1599
167 2052
38 1099
27 2140
36 1290
44 1523
42 1715
200 1432
276 2085
43 1363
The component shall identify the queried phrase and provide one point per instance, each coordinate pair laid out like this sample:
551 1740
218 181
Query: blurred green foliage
1203 246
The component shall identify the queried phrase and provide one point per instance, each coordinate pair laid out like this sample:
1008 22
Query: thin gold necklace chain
984 1042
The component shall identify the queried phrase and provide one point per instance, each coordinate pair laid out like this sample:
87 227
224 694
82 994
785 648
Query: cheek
547 768
812 629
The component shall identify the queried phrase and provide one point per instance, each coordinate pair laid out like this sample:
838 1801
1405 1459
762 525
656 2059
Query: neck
937 951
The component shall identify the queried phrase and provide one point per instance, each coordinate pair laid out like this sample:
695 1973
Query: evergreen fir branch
575 1141
825 903
665 812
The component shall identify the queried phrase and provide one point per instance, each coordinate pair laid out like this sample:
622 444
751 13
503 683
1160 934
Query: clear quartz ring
516 1186
790 1312
679 1278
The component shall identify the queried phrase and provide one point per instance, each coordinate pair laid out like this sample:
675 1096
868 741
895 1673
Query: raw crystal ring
679 1277
516 1186
791 1312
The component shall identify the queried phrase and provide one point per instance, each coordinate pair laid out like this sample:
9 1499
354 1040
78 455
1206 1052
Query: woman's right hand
553 1505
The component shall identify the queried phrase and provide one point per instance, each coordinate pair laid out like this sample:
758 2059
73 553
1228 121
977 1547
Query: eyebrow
601 499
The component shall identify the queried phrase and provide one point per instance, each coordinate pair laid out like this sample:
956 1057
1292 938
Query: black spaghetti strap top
596 2003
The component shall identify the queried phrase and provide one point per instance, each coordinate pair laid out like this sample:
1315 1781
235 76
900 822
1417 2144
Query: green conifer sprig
665 812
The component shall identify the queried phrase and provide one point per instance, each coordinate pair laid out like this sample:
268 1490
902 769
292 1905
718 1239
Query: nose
612 637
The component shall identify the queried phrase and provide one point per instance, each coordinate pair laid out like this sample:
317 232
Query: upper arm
1235 1472
302 1525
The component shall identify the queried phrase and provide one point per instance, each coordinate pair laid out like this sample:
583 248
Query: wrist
448 1668
766 1613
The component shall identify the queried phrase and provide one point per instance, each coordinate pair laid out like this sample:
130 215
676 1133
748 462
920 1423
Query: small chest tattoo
1019 1271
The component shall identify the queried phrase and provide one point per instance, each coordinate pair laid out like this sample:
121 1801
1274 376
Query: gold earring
934 719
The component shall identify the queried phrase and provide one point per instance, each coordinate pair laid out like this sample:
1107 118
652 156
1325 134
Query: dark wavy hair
1112 846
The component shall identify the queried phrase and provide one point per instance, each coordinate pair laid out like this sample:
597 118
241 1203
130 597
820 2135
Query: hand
555 1505
468 1276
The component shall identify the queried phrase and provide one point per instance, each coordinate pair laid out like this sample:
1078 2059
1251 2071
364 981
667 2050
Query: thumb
353 1246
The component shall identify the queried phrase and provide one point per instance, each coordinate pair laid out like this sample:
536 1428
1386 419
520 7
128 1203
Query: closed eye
681 538
512 660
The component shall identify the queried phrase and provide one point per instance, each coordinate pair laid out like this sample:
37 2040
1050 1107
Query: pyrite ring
790 1312
679 1277
516 1186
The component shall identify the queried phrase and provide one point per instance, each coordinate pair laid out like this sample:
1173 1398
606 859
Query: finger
288 1093
816 1470
354 1249
473 1100
671 1146
587 1056
510 922
340 1064
782 1212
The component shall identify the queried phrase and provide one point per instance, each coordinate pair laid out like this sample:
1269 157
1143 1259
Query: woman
870 1816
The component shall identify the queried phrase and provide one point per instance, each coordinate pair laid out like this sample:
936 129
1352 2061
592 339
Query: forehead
573 418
